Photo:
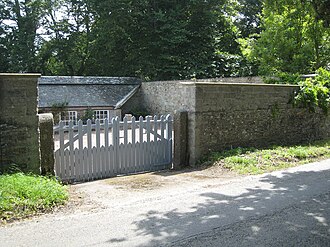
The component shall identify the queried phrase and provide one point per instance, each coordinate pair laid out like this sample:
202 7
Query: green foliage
165 39
149 39
249 17
59 110
22 195
256 161
315 92
293 39
19 21
69 49
157 40
229 65
283 78
9 169
322 9
137 112
89 114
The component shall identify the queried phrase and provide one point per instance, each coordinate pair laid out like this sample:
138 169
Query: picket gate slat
154 145
110 165
102 160
89 151
168 136
67 161
85 165
57 159
106 145
61 150
137 146
97 150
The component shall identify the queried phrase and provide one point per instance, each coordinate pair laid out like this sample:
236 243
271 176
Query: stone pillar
181 157
19 137
46 123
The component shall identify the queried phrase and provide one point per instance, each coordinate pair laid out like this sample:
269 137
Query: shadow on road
231 217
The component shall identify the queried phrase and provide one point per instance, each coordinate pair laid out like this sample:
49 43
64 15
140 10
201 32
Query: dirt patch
167 179
76 199
209 172
136 182
163 179
133 189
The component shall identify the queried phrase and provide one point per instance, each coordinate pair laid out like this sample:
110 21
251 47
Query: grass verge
257 161
23 195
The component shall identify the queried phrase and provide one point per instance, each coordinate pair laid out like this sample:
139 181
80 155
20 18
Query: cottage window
101 114
70 115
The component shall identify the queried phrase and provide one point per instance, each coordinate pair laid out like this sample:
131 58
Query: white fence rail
94 151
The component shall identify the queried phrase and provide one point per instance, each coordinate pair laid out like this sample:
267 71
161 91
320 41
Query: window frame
101 115
70 116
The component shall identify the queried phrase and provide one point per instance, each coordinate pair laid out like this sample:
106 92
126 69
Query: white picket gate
94 151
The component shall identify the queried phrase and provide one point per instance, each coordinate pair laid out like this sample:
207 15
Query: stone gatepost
46 123
19 136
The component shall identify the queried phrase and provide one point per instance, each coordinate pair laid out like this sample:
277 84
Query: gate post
46 123
19 137
181 158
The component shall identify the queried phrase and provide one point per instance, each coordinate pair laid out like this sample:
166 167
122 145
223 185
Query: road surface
286 208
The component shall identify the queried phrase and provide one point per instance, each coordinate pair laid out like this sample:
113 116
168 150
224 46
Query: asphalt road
287 208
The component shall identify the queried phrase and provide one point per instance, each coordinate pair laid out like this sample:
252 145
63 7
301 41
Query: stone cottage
77 97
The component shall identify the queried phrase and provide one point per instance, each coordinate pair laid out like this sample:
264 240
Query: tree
4 41
20 20
154 39
164 39
293 40
322 9
68 47
248 17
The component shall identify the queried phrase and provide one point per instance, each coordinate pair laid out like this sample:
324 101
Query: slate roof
86 91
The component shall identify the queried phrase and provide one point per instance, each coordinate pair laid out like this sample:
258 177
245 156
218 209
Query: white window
70 115
101 114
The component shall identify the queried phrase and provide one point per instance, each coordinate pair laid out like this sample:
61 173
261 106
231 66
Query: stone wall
19 137
163 97
232 115
160 97
222 115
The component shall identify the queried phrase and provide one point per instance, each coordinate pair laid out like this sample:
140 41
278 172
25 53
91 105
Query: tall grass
22 195
256 161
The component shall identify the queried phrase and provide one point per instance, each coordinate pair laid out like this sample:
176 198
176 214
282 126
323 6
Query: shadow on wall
306 221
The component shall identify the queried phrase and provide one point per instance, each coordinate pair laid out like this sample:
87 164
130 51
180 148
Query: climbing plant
315 92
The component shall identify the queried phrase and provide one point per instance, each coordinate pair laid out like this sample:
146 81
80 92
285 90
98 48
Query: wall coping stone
189 83
3 75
